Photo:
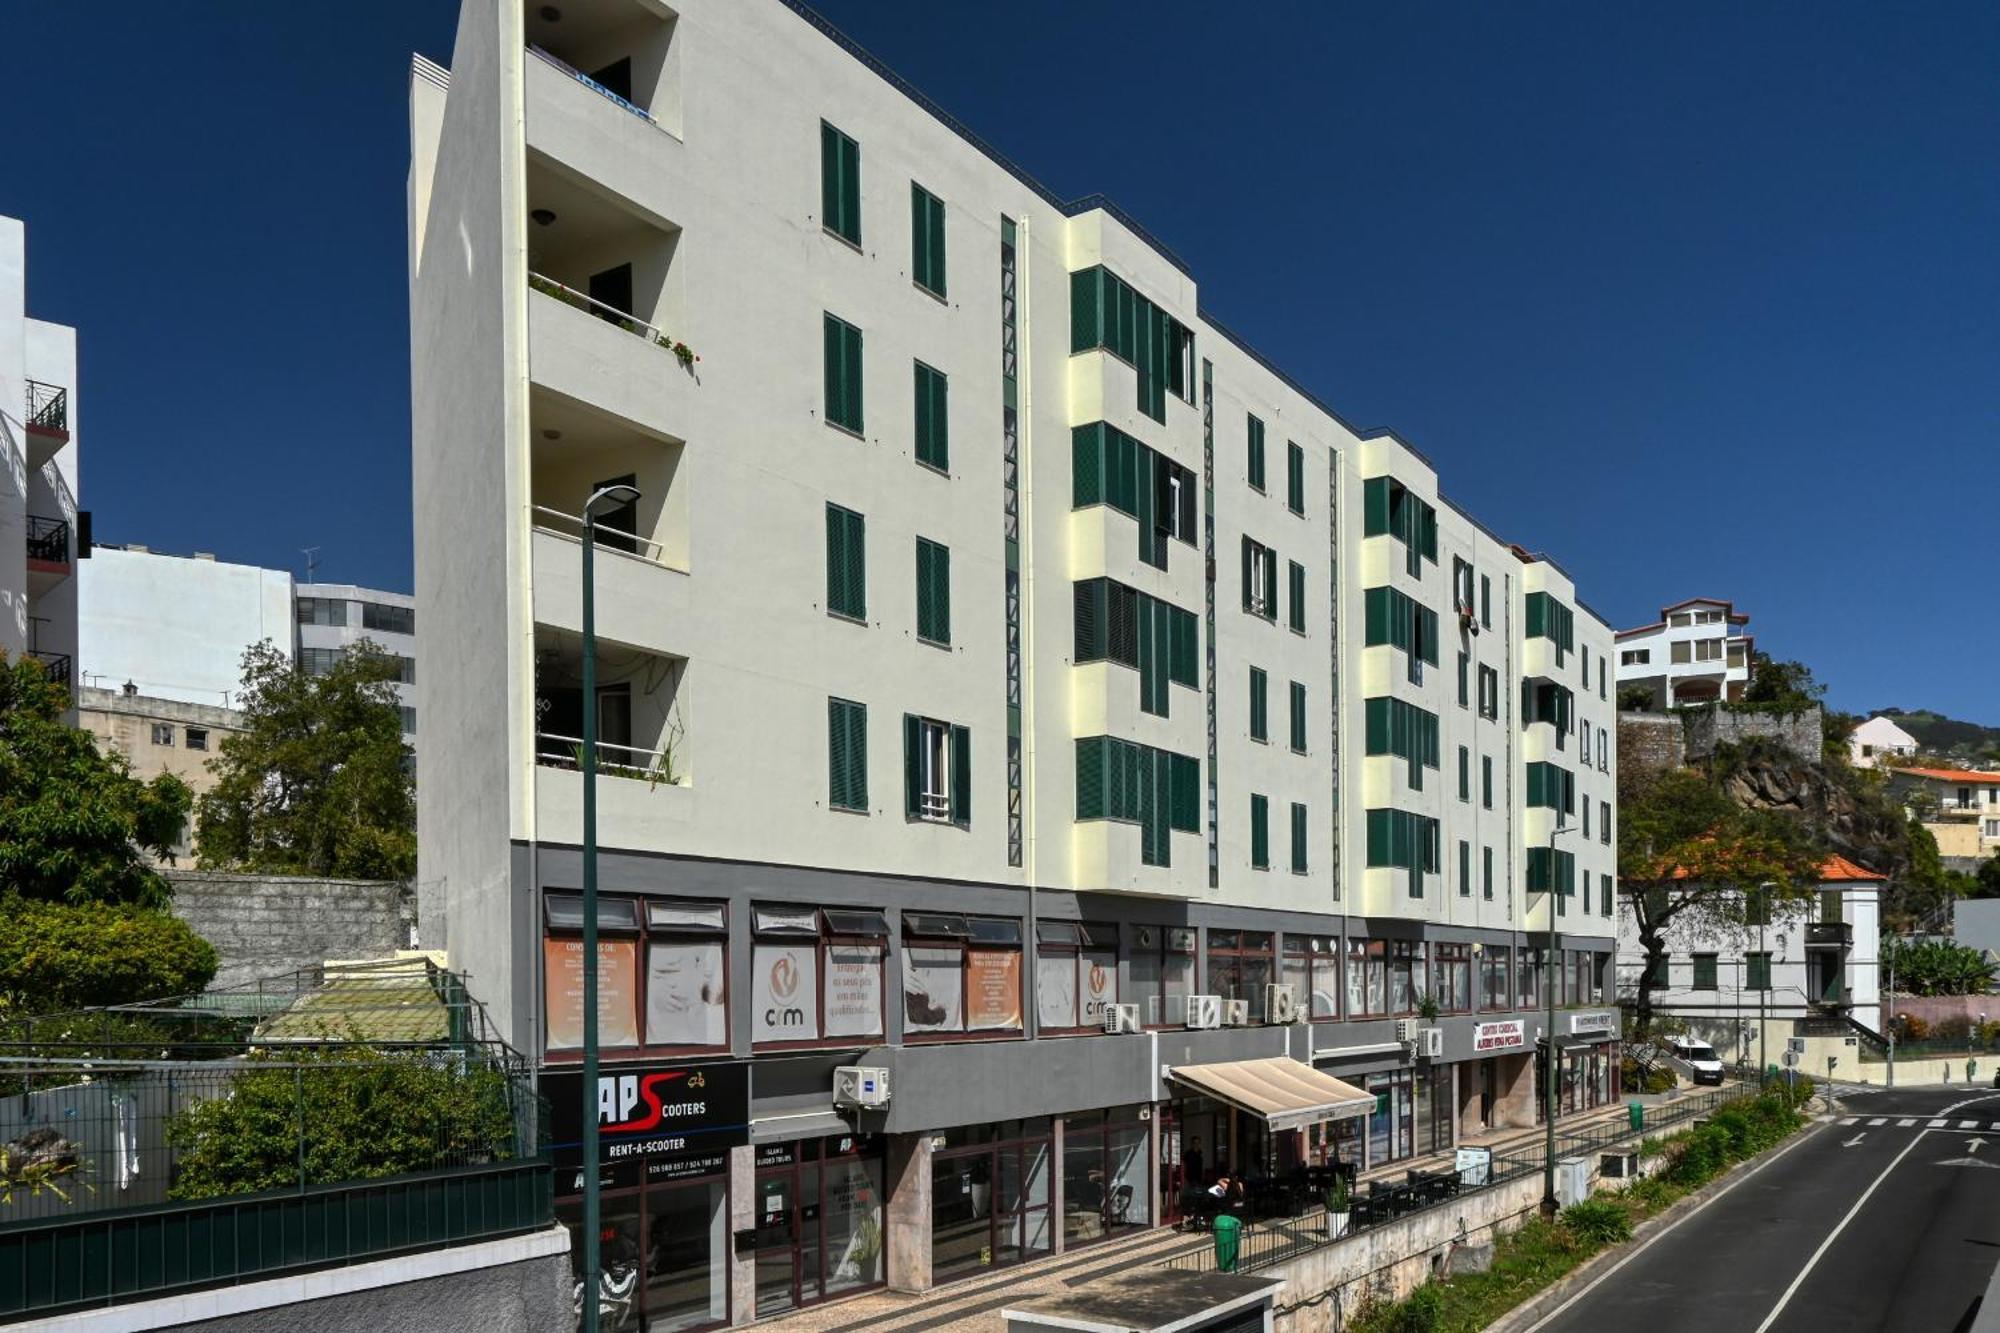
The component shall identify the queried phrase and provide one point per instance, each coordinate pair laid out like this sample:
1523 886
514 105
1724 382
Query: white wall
13 438
175 626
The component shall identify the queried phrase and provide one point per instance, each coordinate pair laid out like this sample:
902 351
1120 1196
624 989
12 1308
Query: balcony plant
1427 1006
1337 1200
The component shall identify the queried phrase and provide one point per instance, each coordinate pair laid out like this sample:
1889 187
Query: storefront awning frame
1282 1092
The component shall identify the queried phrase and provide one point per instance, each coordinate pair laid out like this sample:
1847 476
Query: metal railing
48 539
48 407
57 666
644 547
557 62
566 752
612 315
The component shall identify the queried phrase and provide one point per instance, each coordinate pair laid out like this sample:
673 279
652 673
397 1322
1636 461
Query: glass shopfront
1412 1115
820 1226
664 1245
1105 1190
1589 1079
990 1187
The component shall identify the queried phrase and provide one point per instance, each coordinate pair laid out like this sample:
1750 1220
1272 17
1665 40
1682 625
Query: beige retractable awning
1284 1092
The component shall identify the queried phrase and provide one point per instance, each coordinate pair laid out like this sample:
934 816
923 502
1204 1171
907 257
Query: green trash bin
1226 1239
1637 1112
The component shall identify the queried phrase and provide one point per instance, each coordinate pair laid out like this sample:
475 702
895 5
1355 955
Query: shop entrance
990 1201
819 1221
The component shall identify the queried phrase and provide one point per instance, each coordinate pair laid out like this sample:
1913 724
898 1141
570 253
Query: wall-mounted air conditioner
1280 1005
1407 1029
1430 1043
858 1086
1121 1018
1236 1013
1204 1011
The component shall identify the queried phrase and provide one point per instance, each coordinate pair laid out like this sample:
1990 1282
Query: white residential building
1805 970
42 532
1877 739
996 639
333 617
1960 807
1696 653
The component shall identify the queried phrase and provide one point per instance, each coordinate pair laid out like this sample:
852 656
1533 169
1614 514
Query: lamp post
607 497
1763 991
1888 1006
1551 1062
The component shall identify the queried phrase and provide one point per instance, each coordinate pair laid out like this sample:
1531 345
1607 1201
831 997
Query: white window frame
1262 574
934 771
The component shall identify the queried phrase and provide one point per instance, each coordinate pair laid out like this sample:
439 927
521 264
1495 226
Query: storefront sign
1474 1165
617 992
1100 987
1500 1036
684 1111
784 992
1595 1021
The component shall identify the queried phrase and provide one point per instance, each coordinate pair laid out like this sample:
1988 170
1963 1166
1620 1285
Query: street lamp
1763 991
604 499
1551 1064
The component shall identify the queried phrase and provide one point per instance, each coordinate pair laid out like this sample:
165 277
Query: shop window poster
617 992
685 1002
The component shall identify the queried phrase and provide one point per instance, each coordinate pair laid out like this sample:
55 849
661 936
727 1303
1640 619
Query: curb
1539 1306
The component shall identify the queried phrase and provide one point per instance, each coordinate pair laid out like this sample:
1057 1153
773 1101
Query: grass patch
1535 1255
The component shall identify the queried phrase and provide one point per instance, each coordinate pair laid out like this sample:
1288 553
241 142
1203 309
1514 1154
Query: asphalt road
1891 1226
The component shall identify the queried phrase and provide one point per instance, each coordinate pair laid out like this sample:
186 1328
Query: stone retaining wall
267 925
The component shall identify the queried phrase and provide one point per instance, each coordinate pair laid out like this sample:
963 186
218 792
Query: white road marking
1834 1235
1974 1144
1653 1239
1968 1124
1856 1139
1879 1120
1970 1101
1906 1122
1937 1124
1851 1120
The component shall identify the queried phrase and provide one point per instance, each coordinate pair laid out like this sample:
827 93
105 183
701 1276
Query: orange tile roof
1838 867
1951 774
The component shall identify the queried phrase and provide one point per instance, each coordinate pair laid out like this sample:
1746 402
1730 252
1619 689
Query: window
847 755
846 563
1156 789
1162 970
1604 895
1496 987
1260 580
1311 967
1603 752
1528 978
163 733
839 184
1583 660
406 669
1635 657
926 240
389 619
933 418
933 592
1546 618
1298 718
1586 818
1400 840
1583 742
1109 467
1548 702
815 975
1704 972
1407 976
409 719
1453 974
1390 618
1255 462
1489 693
1106 312
1486 873
1298 839
937 771
1550 787
1367 978
1240 963
322 611
1120 624
1600 677
1260 719
1486 781
320 661
1678 653
843 374
1485 602
1260 832
196 738
1681 618
1297 610
1465 680
1756 971
1708 650
960 974
1295 478
1076 975
1464 773
1464 868
1563 880
1392 726
1604 822
1389 509
660 962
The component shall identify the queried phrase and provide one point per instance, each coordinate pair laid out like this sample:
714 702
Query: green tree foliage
339 1113
1937 967
58 956
1687 853
1784 686
74 822
318 781
1987 882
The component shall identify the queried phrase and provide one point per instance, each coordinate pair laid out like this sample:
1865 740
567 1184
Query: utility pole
1551 1062
1889 1027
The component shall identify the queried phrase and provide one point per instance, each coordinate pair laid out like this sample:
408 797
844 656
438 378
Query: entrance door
622 521
1488 1091
777 1241
612 288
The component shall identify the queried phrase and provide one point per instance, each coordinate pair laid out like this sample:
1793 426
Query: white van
1704 1066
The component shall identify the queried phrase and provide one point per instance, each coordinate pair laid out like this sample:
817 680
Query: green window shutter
840 183
1375 729
913 765
1086 310
932 417
1149 798
1486 873
1091 755
1298 591
926 239
847 754
846 563
1295 478
1375 507
1464 868
1086 465
850 187
1247 590
843 373
1256 447
835 375
836 754
829 177
1298 839
1149 700
933 591
925 611
961 776
1260 833
1298 717
1259 723
1091 619
1464 774
1186 648
1375 616
1271 587
852 359
1535 615
1186 814
937 247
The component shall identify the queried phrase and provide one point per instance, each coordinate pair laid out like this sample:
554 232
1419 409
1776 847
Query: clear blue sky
1700 299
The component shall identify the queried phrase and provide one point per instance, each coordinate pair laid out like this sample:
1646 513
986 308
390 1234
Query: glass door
777 1241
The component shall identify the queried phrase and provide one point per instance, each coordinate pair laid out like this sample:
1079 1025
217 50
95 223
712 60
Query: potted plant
1427 1006
1336 1208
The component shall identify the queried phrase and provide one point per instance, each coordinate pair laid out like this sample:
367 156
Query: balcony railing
559 63
614 316
570 527
48 407
57 665
654 766
1829 935
48 539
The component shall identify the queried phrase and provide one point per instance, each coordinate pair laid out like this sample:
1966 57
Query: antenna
311 553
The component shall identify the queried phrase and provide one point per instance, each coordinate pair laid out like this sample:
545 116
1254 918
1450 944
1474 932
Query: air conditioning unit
1204 1011
1121 1018
1430 1043
1407 1029
1236 1013
1279 1004
859 1087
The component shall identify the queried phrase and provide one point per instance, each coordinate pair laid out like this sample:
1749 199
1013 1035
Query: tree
1937 967
74 822
59 956
1786 686
318 781
1988 879
1690 856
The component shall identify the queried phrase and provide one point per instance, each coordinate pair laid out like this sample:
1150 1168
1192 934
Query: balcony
645 782
56 665
48 422
48 553
1829 935
619 52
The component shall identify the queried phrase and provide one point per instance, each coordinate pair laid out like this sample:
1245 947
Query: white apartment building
1696 653
42 532
333 617
1877 740
998 641
1800 967
1960 807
